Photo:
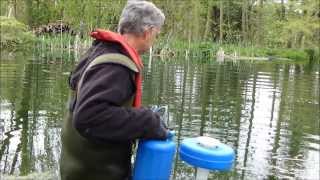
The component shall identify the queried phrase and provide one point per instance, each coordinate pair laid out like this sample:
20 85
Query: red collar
110 36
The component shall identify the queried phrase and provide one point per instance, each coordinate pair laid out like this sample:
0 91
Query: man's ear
146 34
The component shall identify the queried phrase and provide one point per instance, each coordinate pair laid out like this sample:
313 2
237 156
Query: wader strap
113 58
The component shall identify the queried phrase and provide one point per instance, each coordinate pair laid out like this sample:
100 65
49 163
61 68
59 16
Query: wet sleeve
98 113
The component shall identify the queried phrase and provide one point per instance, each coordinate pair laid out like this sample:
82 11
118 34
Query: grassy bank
169 48
182 48
211 49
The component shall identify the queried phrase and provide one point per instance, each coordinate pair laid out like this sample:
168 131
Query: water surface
268 112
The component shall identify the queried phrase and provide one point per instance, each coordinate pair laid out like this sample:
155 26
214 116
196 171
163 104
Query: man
102 124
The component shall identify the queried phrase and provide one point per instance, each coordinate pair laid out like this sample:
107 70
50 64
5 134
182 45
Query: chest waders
82 159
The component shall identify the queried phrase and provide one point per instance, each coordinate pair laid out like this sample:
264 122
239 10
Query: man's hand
162 111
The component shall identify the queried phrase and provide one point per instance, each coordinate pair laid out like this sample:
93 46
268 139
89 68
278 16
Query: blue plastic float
207 153
154 158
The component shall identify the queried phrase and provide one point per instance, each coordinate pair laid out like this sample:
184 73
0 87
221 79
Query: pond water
268 112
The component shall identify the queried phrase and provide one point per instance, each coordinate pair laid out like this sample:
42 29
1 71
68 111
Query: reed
167 48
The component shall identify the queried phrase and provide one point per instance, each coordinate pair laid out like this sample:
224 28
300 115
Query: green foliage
211 48
251 23
14 34
294 54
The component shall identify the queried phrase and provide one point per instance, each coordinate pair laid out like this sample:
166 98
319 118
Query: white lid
208 142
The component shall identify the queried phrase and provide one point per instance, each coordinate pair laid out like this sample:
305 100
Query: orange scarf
109 36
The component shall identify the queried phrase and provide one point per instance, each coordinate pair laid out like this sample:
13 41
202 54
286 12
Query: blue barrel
214 156
154 159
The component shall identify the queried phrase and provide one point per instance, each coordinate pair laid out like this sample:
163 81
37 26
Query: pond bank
180 48
211 49
165 48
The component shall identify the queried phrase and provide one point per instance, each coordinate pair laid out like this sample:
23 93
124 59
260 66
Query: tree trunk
29 10
228 22
260 23
221 22
249 21
208 22
195 20
244 16
283 10
15 8
11 9
99 14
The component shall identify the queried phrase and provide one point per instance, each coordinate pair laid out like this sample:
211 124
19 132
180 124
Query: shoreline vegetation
254 29
15 36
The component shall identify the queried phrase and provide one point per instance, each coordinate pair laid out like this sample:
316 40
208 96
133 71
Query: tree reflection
204 98
26 85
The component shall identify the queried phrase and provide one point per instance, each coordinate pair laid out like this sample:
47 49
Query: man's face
148 38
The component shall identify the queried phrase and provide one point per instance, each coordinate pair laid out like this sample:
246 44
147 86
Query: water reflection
269 113
33 94
265 111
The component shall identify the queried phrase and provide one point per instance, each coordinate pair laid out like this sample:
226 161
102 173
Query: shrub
14 34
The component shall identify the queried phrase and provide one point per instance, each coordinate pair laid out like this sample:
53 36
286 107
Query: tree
276 23
283 10
244 20
260 23
221 22
208 21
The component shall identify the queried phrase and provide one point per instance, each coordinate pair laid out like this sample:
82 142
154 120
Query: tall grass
210 49
62 44
167 48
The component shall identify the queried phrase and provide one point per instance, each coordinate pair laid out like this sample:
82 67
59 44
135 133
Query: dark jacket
100 128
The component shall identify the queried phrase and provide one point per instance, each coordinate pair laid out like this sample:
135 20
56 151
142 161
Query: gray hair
137 16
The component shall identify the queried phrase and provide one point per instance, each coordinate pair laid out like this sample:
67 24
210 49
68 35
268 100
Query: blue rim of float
218 158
